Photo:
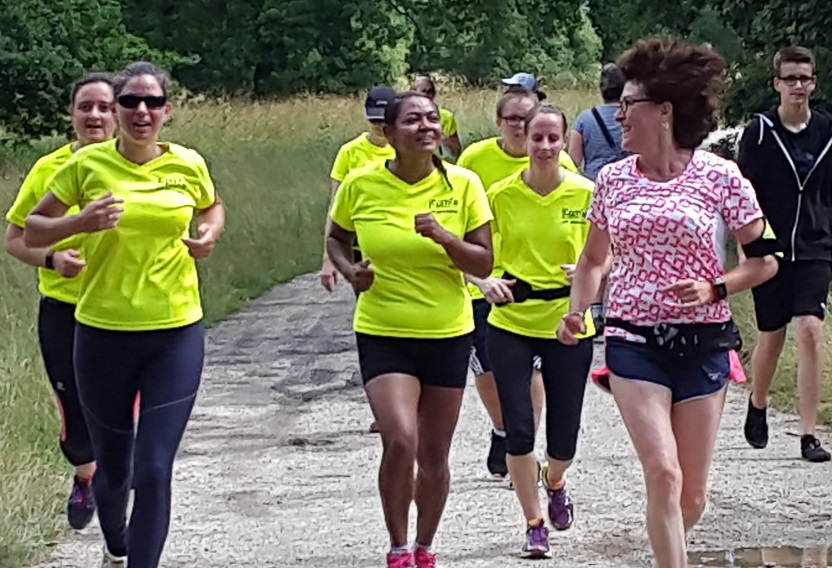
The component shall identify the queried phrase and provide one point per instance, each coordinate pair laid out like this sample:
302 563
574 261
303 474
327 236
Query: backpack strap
603 127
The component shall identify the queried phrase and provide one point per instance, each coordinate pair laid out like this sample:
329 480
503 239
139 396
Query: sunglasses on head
150 101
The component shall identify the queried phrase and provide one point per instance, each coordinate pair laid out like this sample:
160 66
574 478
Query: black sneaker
496 461
80 507
812 451
756 426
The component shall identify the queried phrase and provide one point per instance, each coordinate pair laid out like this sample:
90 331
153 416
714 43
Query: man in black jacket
785 154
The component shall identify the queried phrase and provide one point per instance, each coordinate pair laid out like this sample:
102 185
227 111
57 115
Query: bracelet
48 260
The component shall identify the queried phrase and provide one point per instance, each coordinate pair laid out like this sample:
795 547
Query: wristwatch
720 290
47 261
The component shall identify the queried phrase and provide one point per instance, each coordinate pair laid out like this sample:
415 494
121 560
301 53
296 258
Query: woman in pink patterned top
660 219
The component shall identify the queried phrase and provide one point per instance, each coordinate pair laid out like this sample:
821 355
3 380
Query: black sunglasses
150 101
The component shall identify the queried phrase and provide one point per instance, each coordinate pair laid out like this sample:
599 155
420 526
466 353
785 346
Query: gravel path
276 469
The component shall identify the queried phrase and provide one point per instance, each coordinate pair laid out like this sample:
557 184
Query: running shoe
400 560
756 426
113 561
812 451
424 559
80 507
537 540
561 510
496 461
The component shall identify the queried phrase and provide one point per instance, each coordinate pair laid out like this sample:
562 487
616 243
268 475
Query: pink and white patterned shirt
663 232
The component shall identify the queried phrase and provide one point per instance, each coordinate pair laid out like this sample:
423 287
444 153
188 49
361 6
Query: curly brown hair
689 77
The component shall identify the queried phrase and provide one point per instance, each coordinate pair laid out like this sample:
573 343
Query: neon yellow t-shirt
448 122
539 234
359 152
50 283
417 291
139 275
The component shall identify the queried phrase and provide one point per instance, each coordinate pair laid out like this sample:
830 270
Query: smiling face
642 120
140 114
417 128
93 113
795 82
545 139
510 120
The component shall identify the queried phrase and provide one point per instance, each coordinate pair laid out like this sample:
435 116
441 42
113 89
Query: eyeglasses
513 120
150 101
793 80
625 103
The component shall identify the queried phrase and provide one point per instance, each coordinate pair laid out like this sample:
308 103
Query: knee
152 474
808 330
433 464
693 502
664 480
401 444
519 443
770 343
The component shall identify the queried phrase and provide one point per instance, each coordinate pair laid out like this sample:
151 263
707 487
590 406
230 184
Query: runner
661 217
520 82
540 215
422 224
91 108
492 160
451 145
369 147
785 154
139 315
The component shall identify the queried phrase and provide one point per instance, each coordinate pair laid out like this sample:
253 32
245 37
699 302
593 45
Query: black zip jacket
800 213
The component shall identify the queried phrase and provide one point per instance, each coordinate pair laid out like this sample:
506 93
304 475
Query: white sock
427 549
500 433
399 550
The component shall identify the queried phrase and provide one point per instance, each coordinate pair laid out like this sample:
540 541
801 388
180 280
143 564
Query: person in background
540 215
524 82
785 154
451 145
423 225
92 112
139 314
660 218
595 140
494 159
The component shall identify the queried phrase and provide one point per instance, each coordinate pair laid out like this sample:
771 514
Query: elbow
32 237
770 267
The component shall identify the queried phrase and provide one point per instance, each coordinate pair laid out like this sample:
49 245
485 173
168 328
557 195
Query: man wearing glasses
784 153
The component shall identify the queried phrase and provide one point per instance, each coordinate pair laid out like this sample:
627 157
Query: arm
210 224
575 148
333 188
339 244
471 254
48 222
67 263
329 274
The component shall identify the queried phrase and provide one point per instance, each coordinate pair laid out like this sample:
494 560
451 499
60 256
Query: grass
270 162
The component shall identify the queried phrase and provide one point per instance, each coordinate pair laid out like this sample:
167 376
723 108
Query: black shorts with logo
799 288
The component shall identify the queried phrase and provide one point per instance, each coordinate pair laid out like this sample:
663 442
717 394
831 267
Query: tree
45 45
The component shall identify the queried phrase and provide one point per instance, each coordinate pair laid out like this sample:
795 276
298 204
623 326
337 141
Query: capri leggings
56 333
565 369
111 368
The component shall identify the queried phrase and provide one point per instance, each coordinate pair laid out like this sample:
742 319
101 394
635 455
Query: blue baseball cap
377 100
525 81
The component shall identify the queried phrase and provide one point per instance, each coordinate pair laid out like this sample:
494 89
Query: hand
428 226
497 290
692 293
361 276
205 242
68 263
329 275
571 325
569 269
101 214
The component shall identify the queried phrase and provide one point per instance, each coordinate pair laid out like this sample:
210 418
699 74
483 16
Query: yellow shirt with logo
139 275
357 153
539 234
417 292
486 159
50 283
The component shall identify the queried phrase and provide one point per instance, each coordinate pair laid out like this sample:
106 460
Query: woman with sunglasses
494 159
139 315
661 218
91 109
451 145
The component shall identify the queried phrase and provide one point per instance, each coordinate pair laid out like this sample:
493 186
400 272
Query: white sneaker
112 561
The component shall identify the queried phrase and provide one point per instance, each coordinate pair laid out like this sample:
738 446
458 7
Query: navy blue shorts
686 380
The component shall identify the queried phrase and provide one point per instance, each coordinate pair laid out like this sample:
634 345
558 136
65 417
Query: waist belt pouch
522 291
689 340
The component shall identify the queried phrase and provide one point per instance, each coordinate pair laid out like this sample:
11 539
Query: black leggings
111 368
565 369
56 333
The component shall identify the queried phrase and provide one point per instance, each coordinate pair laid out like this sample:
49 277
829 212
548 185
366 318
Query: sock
500 433
556 486
427 549
399 550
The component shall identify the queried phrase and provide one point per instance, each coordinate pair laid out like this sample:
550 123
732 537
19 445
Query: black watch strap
48 261
720 289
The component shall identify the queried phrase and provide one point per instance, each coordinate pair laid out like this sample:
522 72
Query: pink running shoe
424 559
400 560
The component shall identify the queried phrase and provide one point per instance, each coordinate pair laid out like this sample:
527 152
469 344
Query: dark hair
611 83
391 115
689 77
88 79
545 108
793 54
512 94
138 69
427 78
